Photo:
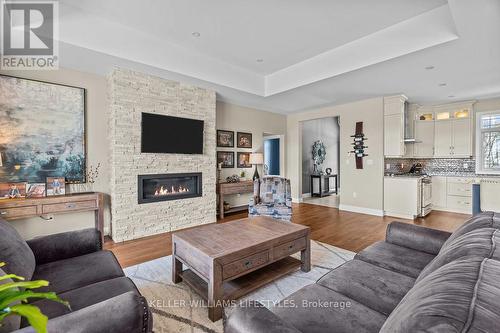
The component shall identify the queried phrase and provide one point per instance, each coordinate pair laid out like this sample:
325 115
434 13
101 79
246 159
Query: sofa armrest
416 237
65 245
255 318
128 312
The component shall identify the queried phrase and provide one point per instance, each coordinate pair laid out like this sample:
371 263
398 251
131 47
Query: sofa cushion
377 288
462 296
16 254
479 242
77 272
82 297
315 309
483 220
396 258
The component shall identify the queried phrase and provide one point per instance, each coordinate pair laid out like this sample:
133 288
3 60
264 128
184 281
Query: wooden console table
11 209
245 186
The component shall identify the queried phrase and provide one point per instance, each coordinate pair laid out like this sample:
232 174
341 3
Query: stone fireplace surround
131 93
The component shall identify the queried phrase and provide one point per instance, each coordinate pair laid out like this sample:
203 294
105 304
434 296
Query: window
488 142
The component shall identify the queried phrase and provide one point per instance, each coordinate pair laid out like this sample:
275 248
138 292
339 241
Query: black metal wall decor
359 145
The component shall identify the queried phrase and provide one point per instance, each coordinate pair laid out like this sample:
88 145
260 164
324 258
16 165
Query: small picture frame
244 140
55 186
244 160
35 190
225 139
13 190
226 158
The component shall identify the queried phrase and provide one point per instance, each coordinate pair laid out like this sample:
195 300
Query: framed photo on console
226 158
225 138
12 190
35 190
56 186
244 140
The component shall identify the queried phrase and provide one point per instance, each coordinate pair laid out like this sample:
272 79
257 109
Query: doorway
273 155
323 133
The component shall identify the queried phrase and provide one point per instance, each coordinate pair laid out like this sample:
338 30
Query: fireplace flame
173 190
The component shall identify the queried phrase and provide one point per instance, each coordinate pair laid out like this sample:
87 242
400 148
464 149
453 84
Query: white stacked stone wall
131 93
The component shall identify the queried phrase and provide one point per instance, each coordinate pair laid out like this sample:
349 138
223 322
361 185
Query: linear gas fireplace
173 186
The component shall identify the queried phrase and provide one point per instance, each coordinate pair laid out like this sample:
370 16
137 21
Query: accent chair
271 197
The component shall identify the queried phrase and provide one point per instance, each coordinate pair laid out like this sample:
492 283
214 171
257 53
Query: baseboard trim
399 216
297 200
361 210
306 195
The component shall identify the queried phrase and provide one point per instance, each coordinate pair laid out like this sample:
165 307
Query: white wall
238 118
362 190
328 131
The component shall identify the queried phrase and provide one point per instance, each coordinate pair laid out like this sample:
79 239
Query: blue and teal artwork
42 131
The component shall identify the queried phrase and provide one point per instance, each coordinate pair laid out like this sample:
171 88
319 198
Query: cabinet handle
3 213
70 206
248 263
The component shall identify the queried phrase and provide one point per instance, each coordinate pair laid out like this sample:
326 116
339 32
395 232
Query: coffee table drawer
245 264
288 248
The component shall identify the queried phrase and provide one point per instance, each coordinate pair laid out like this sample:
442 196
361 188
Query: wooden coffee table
229 260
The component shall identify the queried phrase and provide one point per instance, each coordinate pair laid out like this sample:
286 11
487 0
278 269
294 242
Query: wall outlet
387 166
466 165
369 162
354 195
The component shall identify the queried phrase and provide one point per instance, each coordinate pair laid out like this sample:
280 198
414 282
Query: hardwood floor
351 231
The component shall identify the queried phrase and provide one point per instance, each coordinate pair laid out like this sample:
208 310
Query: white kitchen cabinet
439 192
394 109
462 138
443 138
401 197
424 137
459 194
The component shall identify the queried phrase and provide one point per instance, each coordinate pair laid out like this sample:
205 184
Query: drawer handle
290 247
70 206
3 213
248 263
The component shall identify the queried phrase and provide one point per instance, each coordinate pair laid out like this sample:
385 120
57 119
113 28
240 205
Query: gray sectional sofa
417 280
102 299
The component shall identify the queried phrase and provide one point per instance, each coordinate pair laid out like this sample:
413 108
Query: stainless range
425 188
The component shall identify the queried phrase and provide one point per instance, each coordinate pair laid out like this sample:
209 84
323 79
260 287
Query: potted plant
14 296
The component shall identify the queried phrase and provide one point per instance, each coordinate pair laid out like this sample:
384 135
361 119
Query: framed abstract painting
42 131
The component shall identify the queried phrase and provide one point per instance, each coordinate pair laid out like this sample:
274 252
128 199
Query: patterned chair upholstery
271 197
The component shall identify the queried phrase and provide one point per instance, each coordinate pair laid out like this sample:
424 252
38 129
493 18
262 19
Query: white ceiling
314 53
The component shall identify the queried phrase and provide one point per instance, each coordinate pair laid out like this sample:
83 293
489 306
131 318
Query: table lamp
256 159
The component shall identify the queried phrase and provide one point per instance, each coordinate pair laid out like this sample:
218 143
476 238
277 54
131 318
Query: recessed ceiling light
196 34
442 84
429 68
451 96
260 60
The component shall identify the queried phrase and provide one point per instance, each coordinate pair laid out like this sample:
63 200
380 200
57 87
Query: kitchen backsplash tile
433 166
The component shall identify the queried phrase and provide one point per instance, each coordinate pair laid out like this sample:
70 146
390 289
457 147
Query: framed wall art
226 158
42 131
244 140
225 138
244 160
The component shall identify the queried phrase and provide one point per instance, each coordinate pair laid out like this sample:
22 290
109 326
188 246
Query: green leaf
24 295
33 314
2 264
11 276
24 284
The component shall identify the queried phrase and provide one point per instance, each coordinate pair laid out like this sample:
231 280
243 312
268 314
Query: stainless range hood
409 131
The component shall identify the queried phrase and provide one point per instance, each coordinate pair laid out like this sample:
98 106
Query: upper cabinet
394 126
444 131
453 130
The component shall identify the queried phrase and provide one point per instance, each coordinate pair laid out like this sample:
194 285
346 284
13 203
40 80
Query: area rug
176 308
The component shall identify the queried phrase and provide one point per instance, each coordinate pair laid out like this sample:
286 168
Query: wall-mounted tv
171 135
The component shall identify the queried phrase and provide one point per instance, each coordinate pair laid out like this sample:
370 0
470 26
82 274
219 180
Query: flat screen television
174 135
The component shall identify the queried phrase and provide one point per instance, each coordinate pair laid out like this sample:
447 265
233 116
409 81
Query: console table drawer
245 264
8 213
68 206
286 249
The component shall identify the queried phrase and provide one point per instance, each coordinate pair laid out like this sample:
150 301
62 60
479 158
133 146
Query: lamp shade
256 158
